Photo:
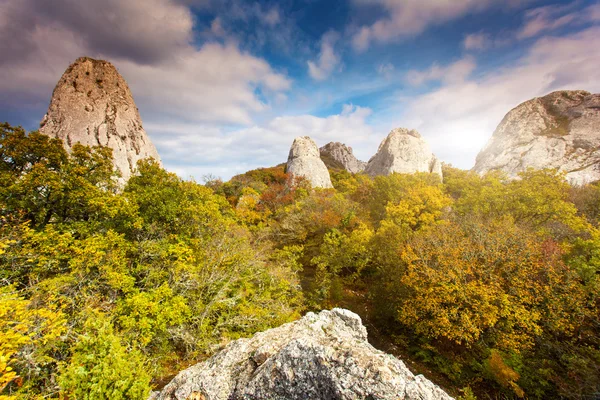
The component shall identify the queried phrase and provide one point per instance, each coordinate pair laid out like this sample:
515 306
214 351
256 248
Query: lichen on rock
321 356
560 130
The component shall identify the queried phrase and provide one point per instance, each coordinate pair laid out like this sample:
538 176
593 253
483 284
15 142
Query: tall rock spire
92 105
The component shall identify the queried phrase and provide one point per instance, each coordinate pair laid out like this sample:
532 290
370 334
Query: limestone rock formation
403 151
304 161
92 105
560 130
321 356
338 155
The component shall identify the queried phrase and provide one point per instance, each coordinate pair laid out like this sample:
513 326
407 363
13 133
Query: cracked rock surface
341 156
321 356
560 130
92 105
403 151
304 161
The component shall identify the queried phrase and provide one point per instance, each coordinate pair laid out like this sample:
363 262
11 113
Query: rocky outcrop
403 151
93 105
304 161
337 155
321 356
560 130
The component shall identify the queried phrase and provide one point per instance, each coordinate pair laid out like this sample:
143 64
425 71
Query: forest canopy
108 290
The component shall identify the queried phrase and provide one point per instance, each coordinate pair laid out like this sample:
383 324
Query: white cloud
193 150
410 17
546 18
328 59
213 84
536 21
148 41
477 41
452 73
460 116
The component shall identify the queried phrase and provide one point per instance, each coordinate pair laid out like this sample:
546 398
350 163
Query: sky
224 86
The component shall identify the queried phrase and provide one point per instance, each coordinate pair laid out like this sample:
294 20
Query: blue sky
225 86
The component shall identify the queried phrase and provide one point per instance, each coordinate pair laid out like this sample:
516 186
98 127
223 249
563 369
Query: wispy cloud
328 59
410 17
536 22
477 41
385 70
453 73
548 18
459 117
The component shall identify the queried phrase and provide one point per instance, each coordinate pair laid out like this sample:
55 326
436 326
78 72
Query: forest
490 285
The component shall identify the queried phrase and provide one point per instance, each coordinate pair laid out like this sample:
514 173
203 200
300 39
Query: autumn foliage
491 284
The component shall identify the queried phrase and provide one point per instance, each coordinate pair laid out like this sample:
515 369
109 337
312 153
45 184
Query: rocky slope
403 151
338 155
304 161
93 105
560 130
321 356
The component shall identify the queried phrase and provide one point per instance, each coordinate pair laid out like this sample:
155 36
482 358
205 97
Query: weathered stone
338 155
304 161
321 356
560 130
93 105
403 151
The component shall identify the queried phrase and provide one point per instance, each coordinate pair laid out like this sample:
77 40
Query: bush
102 368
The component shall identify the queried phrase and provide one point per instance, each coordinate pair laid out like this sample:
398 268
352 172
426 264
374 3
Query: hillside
484 295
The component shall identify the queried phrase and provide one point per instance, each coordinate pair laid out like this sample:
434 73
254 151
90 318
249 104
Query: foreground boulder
304 161
93 105
321 356
337 155
403 151
560 130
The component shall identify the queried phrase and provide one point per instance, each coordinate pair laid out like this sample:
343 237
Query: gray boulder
560 130
403 151
321 356
92 105
304 161
338 155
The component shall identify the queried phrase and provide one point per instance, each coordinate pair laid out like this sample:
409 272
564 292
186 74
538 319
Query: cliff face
338 155
321 356
403 151
304 161
560 130
93 105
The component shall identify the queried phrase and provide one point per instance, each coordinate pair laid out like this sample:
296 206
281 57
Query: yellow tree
490 284
25 333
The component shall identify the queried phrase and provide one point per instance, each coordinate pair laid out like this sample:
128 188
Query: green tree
102 368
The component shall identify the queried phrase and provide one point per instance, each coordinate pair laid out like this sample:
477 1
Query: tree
102 368
47 185
413 198
341 256
539 199
468 288
27 337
